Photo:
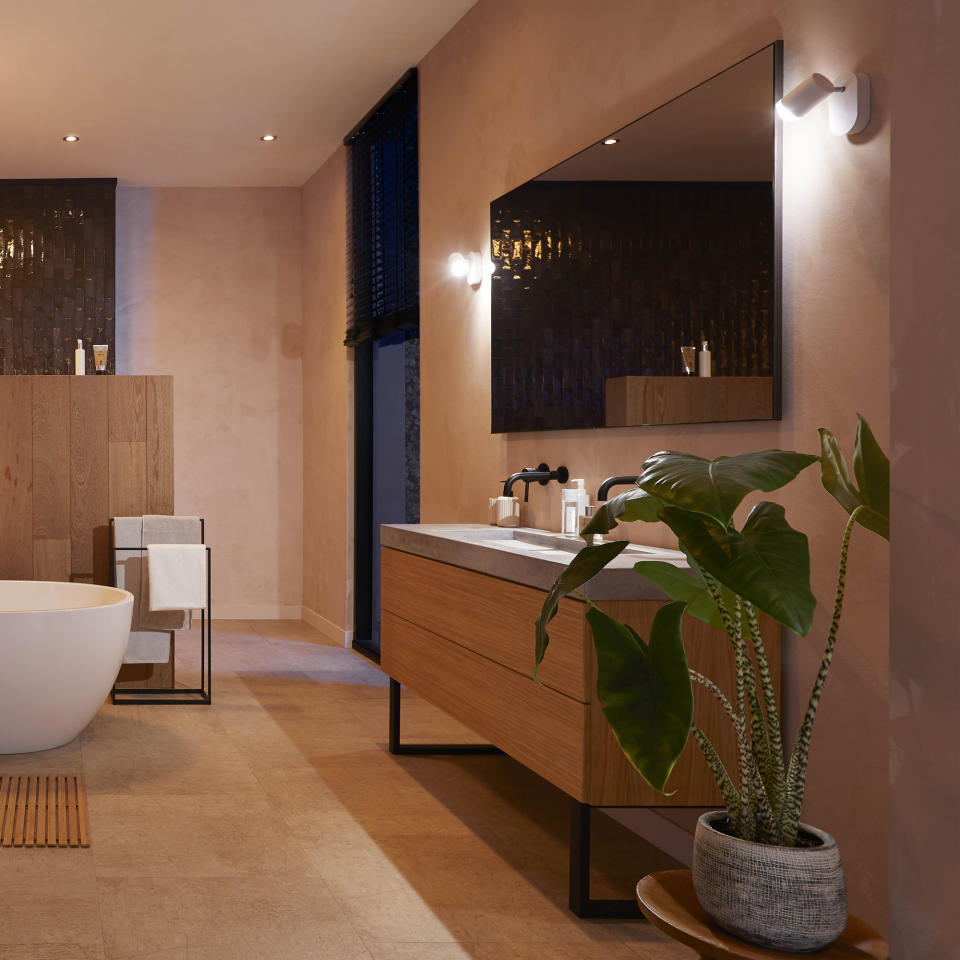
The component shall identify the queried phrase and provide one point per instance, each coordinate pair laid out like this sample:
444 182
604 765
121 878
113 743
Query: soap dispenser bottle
704 360
573 504
80 360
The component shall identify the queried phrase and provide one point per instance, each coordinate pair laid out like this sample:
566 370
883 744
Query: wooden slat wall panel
541 728
16 478
61 476
51 457
128 479
487 615
160 445
51 559
89 471
128 406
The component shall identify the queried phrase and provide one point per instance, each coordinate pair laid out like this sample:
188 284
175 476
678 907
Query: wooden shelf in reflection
638 401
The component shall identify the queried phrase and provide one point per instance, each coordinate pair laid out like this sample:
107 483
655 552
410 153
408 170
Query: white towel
178 576
156 528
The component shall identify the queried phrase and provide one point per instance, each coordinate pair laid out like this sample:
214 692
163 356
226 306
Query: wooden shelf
638 401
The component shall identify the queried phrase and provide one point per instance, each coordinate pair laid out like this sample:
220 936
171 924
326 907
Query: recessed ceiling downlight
610 141
70 138
268 137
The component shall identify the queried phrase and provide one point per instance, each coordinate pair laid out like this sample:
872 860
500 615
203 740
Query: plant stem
722 698
796 777
731 799
744 669
775 777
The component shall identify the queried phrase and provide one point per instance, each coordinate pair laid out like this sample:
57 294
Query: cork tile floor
274 825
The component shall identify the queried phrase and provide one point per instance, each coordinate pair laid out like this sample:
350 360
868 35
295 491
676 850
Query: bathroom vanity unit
459 604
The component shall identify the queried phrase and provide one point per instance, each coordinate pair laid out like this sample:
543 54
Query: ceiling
178 93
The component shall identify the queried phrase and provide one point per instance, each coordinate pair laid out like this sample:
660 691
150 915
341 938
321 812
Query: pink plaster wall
925 573
209 290
327 487
513 89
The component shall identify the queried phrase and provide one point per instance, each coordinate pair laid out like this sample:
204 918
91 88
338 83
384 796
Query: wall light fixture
469 265
849 103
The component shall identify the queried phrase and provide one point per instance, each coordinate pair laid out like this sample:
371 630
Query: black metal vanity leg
580 902
396 747
394 743
579 857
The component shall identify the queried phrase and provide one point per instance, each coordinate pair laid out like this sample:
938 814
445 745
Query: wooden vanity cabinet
464 641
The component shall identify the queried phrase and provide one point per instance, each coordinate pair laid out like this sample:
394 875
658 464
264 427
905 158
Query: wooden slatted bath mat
43 810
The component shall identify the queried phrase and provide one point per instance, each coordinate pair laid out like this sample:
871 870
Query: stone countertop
525 555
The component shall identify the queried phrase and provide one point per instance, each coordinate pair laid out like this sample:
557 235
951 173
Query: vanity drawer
540 728
493 617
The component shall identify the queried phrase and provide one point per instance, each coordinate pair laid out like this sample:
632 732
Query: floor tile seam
96 881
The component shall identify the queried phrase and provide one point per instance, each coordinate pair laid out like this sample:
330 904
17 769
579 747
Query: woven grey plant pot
785 898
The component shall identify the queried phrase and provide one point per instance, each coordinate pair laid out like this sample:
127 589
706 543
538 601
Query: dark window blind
383 223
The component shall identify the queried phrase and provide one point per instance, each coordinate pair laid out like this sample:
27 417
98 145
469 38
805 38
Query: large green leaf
872 470
716 488
633 504
583 567
768 563
645 690
686 586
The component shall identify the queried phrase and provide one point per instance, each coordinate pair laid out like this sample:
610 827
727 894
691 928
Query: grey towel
163 529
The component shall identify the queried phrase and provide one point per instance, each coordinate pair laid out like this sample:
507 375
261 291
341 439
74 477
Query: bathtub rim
121 596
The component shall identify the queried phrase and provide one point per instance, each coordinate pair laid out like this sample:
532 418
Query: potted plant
758 871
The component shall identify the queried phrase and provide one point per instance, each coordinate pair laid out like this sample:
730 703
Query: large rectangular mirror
611 261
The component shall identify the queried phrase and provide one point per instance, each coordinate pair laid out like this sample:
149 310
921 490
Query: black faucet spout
541 474
604 488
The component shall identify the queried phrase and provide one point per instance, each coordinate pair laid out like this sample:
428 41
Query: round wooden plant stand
668 901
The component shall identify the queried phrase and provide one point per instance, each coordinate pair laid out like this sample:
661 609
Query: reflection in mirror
610 262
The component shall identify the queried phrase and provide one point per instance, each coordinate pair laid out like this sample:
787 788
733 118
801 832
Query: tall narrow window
383 317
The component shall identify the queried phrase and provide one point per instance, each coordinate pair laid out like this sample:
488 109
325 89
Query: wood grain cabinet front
465 642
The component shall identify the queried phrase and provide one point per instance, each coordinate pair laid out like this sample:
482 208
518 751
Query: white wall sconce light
471 266
848 105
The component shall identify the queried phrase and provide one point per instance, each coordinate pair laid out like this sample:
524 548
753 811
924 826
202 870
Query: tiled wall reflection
606 279
56 273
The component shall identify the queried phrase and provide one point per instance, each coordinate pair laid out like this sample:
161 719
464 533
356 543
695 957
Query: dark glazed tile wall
601 279
56 273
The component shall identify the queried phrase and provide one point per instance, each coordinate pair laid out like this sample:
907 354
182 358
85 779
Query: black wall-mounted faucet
542 475
613 482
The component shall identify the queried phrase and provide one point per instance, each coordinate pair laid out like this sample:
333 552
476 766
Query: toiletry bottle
594 538
583 503
704 360
570 501
568 511
689 356
79 360
100 351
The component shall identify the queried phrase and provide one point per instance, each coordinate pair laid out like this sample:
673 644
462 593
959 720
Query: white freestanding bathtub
60 649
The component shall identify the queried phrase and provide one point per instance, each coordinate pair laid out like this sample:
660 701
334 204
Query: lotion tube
100 351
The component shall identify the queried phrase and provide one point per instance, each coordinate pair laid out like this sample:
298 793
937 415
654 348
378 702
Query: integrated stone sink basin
529 540
526 555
